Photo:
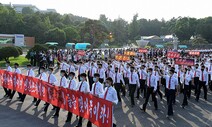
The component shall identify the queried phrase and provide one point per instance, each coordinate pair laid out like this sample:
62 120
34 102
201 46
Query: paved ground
16 114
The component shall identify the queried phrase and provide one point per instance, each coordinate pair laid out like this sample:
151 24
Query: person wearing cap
97 90
151 89
16 71
7 91
30 73
84 88
118 81
52 80
110 94
42 77
72 85
62 84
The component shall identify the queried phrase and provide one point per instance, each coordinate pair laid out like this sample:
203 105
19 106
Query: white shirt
52 79
133 78
185 79
92 71
84 87
72 85
203 77
118 77
81 69
141 75
196 73
63 82
110 94
173 82
97 89
43 77
9 69
101 72
64 66
155 73
152 81
71 68
30 73
17 70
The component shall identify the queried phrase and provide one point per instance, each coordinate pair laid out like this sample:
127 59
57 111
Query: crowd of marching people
98 73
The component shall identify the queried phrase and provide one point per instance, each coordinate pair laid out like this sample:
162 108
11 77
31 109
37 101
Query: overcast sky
149 9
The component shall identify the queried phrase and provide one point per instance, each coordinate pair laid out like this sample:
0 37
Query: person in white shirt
91 72
71 67
110 94
63 83
30 73
52 80
133 82
118 81
196 75
7 91
171 87
142 80
203 82
81 69
72 86
151 89
189 72
97 90
17 71
186 79
42 77
84 88
101 72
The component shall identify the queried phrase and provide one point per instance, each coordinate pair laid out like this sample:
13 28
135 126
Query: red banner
122 57
181 61
194 53
129 53
173 55
81 52
97 110
143 50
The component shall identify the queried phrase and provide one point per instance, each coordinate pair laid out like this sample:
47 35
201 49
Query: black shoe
6 95
36 105
53 108
34 101
142 109
156 108
45 110
196 100
68 120
183 106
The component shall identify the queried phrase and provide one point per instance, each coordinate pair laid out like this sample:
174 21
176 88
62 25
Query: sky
113 9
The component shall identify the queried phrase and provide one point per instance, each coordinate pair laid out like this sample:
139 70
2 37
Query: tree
134 28
7 52
72 34
95 32
198 40
27 10
56 35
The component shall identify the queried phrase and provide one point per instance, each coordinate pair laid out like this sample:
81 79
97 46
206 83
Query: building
19 7
16 40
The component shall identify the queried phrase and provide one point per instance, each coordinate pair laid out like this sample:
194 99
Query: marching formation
145 74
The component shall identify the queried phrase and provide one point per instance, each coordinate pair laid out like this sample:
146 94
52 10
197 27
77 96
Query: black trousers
196 84
158 91
118 87
13 93
186 90
69 116
57 111
38 102
7 91
170 98
189 90
132 88
142 88
90 79
202 84
181 85
150 91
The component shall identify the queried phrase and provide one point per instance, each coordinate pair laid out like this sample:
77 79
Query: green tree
27 10
134 28
7 52
93 31
56 35
72 34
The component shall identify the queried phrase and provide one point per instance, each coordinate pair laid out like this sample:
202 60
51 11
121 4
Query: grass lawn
21 60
